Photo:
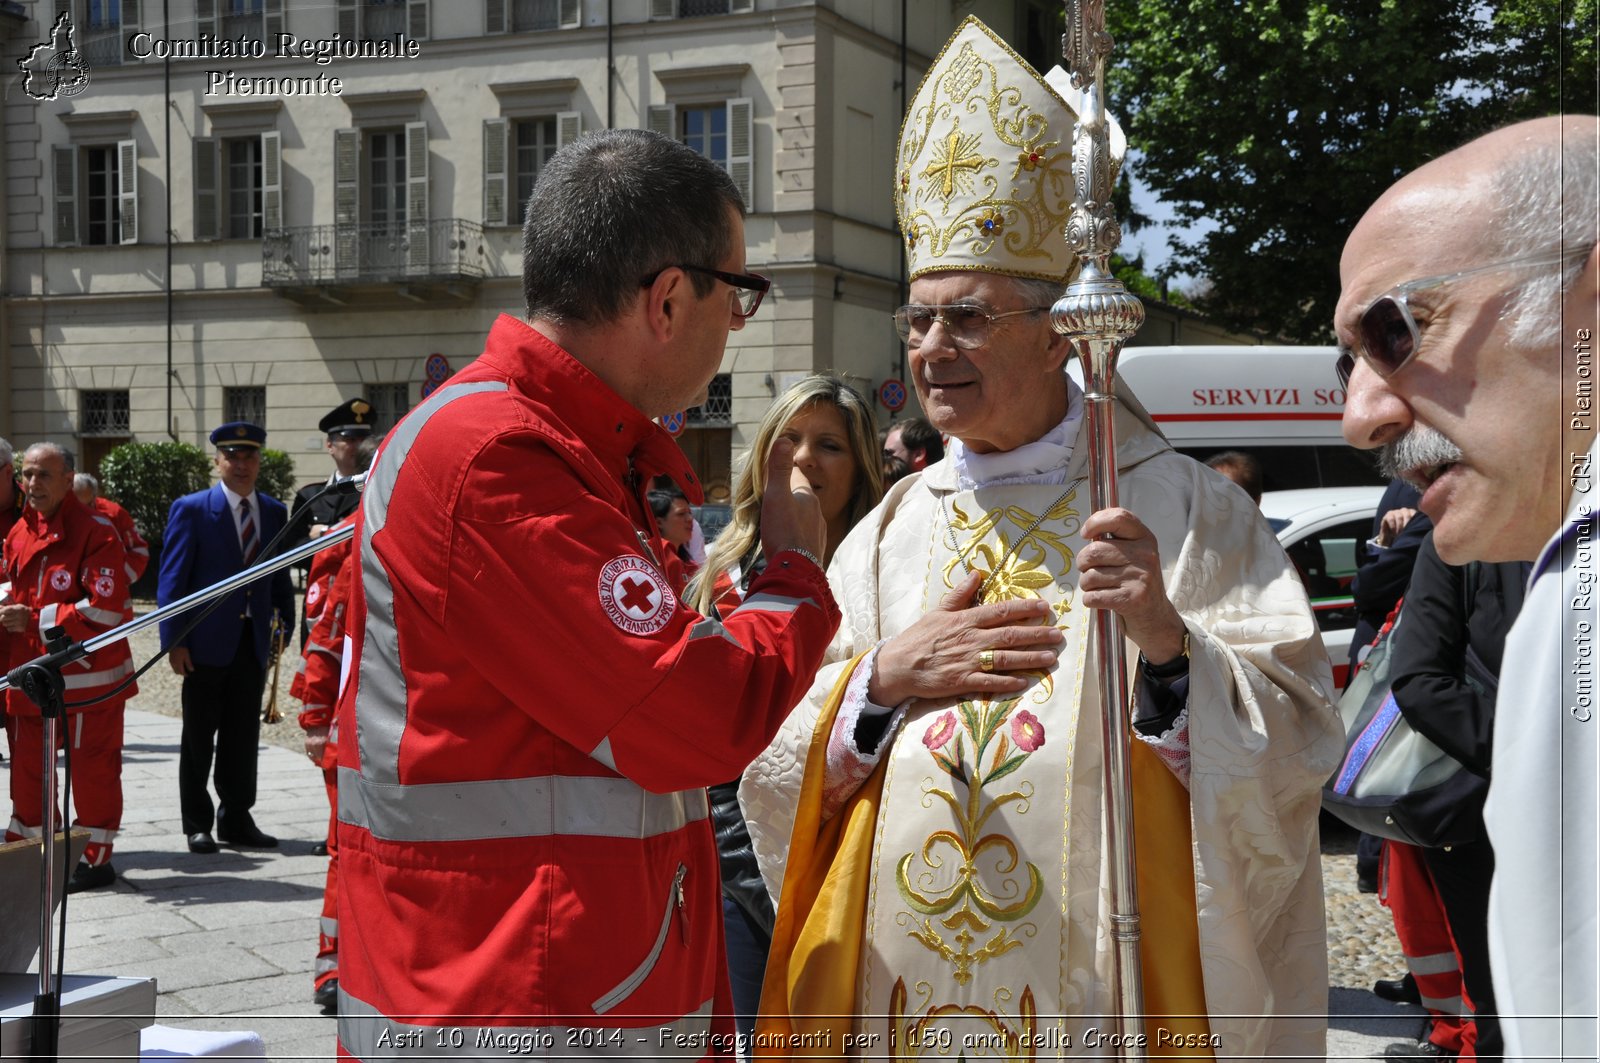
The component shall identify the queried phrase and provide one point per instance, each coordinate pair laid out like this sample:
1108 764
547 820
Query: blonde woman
836 449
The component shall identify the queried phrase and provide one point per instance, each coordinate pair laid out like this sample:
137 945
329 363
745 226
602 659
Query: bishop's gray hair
1548 196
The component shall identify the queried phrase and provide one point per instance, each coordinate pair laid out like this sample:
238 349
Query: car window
1326 561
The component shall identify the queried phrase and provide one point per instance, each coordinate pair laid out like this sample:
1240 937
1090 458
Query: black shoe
1419 1050
327 997
1397 990
202 842
320 849
247 837
1366 883
85 877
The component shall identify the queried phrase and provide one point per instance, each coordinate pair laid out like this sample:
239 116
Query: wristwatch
1173 668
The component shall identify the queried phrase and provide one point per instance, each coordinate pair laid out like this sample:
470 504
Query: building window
697 8
245 404
386 180
705 129
390 402
103 413
382 19
99 31
242 20
520 16
243 183
102 214
536 142
717 412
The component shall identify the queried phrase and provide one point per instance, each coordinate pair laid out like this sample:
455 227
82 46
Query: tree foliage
146 478
1280 121
277 475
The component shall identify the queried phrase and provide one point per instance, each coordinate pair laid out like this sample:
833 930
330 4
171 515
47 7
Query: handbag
1393 782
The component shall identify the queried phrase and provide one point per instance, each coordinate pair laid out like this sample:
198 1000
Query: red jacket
524 836
133 544
69 570
316 682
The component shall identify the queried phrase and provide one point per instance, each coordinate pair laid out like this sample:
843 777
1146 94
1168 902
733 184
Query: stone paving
231 937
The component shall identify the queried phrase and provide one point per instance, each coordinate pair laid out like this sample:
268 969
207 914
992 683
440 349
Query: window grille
390 402
103 413
717 412
245 404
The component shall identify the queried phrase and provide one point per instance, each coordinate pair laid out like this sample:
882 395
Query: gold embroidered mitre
983 178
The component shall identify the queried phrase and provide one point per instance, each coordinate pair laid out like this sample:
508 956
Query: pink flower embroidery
1026 731
938 736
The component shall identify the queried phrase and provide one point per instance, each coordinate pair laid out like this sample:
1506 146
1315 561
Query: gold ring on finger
986 660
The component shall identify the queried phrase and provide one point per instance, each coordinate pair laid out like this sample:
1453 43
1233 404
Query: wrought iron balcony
444 251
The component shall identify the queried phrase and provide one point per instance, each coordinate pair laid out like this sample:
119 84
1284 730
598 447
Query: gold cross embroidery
956 154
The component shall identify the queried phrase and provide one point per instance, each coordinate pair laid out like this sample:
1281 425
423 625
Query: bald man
1471 297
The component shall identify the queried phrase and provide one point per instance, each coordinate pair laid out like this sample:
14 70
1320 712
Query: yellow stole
809 993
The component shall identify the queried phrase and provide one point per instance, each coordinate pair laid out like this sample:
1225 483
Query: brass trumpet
276 633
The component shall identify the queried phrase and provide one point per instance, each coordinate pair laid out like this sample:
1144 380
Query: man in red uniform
10 513
316 685
87 488
64 566
525 852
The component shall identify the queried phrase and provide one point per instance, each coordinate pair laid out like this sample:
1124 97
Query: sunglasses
748 287
969 327
1387 336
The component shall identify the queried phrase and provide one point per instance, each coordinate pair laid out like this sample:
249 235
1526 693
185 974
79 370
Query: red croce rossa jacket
526 855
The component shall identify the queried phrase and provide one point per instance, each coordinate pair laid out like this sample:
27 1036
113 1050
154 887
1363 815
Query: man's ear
664 302
1057 352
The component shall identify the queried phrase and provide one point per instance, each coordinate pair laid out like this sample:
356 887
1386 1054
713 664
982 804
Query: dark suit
230 649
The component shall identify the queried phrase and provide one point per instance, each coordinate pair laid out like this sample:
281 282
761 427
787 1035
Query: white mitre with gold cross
983 178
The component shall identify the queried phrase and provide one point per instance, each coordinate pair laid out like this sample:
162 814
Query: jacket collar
625 441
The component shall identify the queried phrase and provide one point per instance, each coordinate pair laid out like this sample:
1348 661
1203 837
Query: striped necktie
248 542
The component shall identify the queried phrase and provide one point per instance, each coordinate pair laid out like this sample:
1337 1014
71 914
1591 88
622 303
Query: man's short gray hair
68 459
83 479
8 456
1547 198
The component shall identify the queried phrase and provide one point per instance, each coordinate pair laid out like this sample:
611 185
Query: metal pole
1098 315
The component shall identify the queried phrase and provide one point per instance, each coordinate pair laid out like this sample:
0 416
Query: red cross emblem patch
636 596
61 580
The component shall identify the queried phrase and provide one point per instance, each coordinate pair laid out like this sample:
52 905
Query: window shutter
495 16
496 143
205 16
571 14
128 190
660 9
346 201
417 258
207 200
663 120
271 182
349 20
741 7
275 24
569 127
741 136
417 19
66 196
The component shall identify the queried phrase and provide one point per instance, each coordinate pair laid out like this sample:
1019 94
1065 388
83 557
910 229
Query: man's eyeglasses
748 287
1387 335
967 326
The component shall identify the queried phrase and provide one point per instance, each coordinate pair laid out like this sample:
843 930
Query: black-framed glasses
748 288
1387 336
968 326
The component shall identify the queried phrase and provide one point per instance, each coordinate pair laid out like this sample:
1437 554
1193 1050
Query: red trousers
96 739
328 929
1408 891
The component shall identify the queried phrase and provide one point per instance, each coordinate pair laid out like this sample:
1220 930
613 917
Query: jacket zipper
675 911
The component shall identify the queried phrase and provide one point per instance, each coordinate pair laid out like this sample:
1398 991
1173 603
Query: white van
1281 404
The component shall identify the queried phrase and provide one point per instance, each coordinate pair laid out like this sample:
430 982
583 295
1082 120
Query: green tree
1281 121
146 478
277 475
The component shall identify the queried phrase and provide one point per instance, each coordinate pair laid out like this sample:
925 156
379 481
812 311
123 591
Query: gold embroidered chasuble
985 910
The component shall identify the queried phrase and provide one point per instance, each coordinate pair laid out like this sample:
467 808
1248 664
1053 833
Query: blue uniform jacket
202 548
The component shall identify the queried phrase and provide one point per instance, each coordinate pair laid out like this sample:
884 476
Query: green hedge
146 478
277 475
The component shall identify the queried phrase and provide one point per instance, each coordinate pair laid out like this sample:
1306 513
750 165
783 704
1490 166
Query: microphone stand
41 681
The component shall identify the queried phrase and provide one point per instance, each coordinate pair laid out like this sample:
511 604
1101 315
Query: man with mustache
1471 297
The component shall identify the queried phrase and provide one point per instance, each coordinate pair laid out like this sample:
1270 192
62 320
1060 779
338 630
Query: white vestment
988 895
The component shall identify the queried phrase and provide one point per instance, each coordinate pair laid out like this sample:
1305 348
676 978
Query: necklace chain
961 555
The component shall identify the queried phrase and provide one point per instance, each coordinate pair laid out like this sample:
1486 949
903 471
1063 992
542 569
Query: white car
1320 529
